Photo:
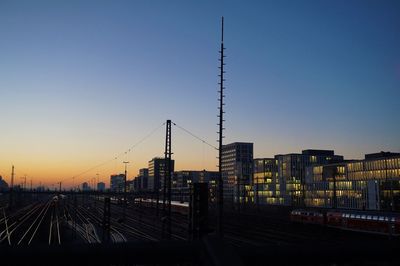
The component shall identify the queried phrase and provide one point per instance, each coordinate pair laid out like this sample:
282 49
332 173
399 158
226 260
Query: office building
142 179
130 185
85 186
101 186
117 183
183 180
3 184
369 184
156 173
266 186
237 171
292 169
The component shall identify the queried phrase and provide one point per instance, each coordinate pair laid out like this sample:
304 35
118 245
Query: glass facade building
117 183
369 184
156 173
292 172
237 171
266 186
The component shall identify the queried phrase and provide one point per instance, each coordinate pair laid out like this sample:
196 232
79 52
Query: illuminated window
313 159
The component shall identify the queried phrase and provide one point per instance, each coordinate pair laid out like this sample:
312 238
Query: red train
371 222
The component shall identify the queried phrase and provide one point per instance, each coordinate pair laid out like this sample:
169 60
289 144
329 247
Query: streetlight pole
96 197
124 213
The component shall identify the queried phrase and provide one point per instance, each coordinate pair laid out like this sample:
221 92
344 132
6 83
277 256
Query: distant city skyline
81 82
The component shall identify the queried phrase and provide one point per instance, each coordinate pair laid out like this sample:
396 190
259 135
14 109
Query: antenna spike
222 31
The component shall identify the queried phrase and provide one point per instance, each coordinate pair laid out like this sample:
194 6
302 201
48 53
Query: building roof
382 154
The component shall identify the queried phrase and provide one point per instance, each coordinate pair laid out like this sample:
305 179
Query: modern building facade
183 180
156 173
101 186
369 184
266 186
85 186
292 170
141 180
237 171
3 184
117 183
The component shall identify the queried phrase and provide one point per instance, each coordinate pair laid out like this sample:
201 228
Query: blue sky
83 80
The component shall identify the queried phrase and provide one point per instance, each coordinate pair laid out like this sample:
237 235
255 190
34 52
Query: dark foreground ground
69 232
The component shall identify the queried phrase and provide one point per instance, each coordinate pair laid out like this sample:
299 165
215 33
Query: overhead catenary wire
115 157
195 136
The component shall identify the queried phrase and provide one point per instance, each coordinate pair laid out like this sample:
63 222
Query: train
176 206
361 221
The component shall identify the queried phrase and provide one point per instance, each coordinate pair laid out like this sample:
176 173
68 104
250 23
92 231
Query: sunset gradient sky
83 81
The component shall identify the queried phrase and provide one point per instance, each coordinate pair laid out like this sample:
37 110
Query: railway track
25 226
55 220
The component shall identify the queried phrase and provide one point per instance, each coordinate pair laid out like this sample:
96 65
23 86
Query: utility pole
12 176
24 183
167 177
96 197
11 188
124 213
23 190
220 200
60 186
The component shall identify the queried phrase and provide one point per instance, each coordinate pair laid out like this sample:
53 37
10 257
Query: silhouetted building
3 184
130 186
117 183
85 186
40 188
184 179
156 173
142 179
237 170
101 186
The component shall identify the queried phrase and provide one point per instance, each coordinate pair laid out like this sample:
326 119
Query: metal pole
334 192
11 188
169 177
167 180
12 176
97 197
220 132
124 213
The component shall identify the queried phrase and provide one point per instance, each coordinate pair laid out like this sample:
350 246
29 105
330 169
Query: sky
88 83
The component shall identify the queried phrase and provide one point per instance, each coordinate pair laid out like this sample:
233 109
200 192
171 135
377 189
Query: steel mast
220 194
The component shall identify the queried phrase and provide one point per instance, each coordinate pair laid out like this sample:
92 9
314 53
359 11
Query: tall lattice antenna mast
220 193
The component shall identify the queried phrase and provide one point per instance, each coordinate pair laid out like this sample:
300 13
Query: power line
193 135
117 156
